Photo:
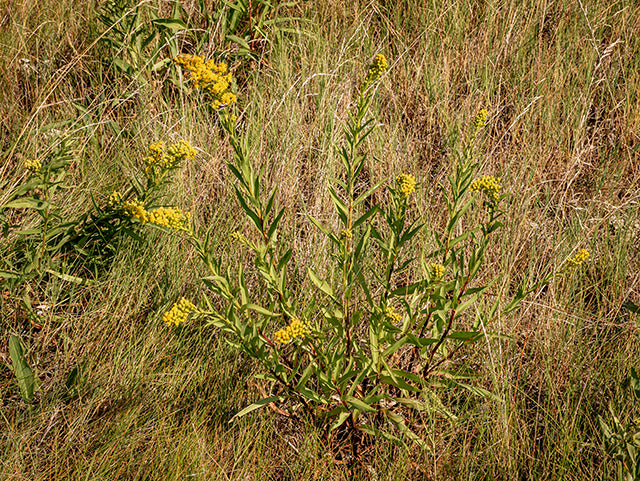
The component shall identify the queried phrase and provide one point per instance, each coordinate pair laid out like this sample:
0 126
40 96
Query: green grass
561 82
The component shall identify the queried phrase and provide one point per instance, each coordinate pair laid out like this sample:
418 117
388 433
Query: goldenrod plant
72 248
369 352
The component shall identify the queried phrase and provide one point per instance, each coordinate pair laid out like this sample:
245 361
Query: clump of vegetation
422 271
371 349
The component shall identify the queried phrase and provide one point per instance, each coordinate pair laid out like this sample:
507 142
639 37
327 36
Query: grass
561 82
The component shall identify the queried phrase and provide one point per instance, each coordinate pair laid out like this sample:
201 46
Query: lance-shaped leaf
256 405
24 373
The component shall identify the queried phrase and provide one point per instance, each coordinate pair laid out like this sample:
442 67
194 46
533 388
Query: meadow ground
561 82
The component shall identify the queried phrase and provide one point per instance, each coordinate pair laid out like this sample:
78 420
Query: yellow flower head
135 208
580 256
171 217
33 166
295 329
489 185
346 234
376 69
170 159
481 120
214 79
115 199
406 184
179 151
436 271
156 156
391 315
179 312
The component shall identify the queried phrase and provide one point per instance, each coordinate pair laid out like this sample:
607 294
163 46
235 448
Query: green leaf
256 405
481 392
171 23
398 383
366 215
240 41
362 197
465 335
359 404
402 427
260 310
320 284
342 417
26 377
274 224
8 275
379 433
27 203
70 278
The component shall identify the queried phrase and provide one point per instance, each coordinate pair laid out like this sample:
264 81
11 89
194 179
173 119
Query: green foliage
369 350
622 441
251 23
143 43
27 380
72 248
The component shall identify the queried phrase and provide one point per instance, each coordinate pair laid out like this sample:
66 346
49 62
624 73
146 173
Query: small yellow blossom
178 152
33 166
376 69
436 271
346 234
171 217
406 184
215 79
135 208
481 120
115 199
580 256
295 329
179 312
391 315
170 159
489 185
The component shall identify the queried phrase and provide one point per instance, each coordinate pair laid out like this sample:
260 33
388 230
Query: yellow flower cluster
179 312
580 256
488 184
295 329
135 208
436 271
481 119
376 69
175 154
171 217
346 234
33 166
115 199
215 79
391 315
406 184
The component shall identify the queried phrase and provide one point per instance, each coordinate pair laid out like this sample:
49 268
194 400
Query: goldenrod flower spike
135 208
115 199
33 166
171 217
391 315
179 312
436 271
215 79
295 329
406 184
581 256
489 185
481 120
